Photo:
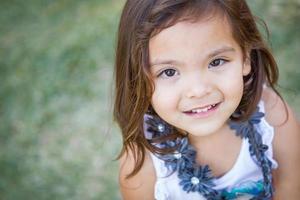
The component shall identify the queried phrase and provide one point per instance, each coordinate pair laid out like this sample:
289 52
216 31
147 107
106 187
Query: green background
57 138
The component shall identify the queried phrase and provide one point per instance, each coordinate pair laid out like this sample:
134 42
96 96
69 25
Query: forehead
192 37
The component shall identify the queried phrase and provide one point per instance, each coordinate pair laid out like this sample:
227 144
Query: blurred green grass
56 76
57 139
283 20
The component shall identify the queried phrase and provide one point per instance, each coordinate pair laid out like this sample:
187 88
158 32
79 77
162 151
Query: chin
206 130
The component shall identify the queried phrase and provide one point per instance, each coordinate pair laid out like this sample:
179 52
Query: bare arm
141 185
286 147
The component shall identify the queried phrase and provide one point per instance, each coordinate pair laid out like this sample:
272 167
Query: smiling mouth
202 109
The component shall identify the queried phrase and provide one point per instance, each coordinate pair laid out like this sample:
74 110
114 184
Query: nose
197 86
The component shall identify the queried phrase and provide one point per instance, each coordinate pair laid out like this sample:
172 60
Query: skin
192 72
192 69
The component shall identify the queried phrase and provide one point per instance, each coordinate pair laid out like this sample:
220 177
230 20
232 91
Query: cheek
163 98
232 83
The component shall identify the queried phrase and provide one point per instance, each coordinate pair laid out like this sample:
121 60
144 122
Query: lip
203 114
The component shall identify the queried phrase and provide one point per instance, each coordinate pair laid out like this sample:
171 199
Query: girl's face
198 69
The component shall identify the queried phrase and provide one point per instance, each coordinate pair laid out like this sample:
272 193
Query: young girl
197 107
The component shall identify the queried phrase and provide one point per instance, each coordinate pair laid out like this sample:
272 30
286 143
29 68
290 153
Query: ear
247 66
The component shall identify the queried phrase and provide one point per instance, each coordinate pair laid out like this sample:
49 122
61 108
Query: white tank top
244 175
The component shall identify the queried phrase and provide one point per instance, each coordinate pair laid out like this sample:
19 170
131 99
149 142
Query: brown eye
217 62
168 73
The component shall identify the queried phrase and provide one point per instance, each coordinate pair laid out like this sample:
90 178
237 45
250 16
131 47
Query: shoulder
276 110
280 116
141 185
286 146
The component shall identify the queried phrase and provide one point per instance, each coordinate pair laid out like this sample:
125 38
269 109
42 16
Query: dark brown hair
141 20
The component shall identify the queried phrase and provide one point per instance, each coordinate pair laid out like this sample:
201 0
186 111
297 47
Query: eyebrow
210 55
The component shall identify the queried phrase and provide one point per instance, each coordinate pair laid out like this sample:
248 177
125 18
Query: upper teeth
199 110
